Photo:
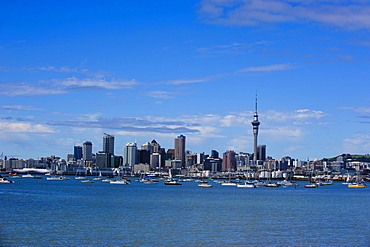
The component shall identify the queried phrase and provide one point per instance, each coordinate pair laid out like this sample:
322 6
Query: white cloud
22 127
160 94
74 82
21 108
357 144
268 68
13 90
335 13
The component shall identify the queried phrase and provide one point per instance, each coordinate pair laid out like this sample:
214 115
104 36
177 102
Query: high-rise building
155 161
108 143
154 147
261 152
229 161
180 149
77 152
255 124
87 151
130 154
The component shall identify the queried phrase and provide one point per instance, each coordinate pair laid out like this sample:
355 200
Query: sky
71 71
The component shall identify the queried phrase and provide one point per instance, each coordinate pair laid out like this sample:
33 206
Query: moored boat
357 185
204 185
4 180
311 185
87 181
121 181
247 185
172 182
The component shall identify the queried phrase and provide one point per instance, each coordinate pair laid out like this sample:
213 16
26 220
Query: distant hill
350 157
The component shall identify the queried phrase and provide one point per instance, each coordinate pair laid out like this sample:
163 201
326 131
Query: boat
150 182
271 185
4 180
204 185
201 181
27 176
37 177
247 185
357 185
107 180
229 183
87 181
328 182
287 183
100 177
56 178
313 185
120 181
172 182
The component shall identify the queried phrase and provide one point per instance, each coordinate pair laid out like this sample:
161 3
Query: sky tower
255 124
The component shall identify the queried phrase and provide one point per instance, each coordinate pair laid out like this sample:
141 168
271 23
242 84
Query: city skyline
142 71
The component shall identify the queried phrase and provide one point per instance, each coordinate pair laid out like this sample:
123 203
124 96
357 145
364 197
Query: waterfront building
87 151
108 143
180 149
255 124
130 154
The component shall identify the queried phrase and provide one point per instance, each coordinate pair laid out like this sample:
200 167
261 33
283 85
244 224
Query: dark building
229 161
77 154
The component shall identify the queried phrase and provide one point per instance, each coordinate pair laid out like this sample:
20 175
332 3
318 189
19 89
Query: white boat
204 185
80 177
246 185
287 183
56 178
121 181
27 176
107 180
229 183
150 182
5 181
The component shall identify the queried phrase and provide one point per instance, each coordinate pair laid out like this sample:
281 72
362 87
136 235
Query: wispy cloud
20 108
23 127
130 125
234 48
354 14
27 89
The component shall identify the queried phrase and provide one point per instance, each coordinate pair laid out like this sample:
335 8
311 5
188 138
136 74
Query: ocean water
37 212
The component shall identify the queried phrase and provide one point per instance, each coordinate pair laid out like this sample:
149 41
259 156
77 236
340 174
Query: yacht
356 185
121 181
204 185
247 185
5 181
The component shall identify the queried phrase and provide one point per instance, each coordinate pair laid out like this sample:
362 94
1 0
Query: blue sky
144 70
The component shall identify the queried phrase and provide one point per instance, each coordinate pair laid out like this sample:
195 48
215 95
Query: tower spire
255 124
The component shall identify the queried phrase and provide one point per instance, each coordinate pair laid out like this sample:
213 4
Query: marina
44 213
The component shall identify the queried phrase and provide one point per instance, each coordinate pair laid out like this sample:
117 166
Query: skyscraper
77 154
130 154
255 124
108 143
87 151
180 149
229 161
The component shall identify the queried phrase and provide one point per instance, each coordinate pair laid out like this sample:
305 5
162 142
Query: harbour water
38 212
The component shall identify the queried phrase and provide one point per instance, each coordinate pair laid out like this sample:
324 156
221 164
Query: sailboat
357 184
100 177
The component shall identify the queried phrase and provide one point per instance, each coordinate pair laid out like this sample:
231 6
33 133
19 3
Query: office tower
143 156
130 154
229 161
87 151
255 124
180 149
146 146
261 152
155 161
214 154
108 143
155 147
77 152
